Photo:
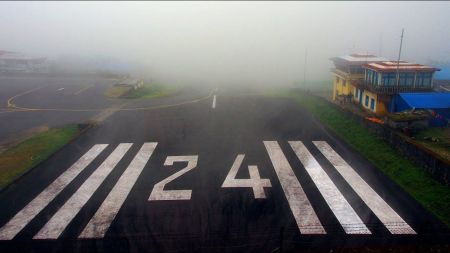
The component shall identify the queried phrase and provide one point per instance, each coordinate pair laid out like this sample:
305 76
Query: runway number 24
255 181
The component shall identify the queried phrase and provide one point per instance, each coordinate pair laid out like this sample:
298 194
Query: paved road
27 103
230 173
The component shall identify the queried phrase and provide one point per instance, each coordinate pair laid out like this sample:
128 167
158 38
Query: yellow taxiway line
19 109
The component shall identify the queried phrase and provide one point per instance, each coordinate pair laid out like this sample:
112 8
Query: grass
117 91
27 154
151 91
433 195
441 147
146 91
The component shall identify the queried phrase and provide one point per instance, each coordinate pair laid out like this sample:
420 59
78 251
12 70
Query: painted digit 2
158 192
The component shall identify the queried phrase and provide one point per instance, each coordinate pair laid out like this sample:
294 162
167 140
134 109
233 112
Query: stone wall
436 166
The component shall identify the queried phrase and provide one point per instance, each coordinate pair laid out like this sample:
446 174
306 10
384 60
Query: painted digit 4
158 192
255 182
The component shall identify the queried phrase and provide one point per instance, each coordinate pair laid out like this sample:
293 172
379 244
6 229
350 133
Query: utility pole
304 69
380 46
399 54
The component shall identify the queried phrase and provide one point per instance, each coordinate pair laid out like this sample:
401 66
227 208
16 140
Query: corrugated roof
427 100
389 66
358 58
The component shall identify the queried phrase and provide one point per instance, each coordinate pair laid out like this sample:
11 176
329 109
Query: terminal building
348 69
380 83
371 81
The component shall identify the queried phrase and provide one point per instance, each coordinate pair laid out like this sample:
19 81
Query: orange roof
388 66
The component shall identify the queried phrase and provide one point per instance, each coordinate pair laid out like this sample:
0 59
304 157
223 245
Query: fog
221 43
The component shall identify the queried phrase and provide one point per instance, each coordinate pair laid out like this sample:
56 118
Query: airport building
12 62
375 91
371 81
348 69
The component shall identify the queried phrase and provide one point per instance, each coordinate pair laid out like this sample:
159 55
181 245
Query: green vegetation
117 91
151 91
435 139
146 91
407 116
27 154
431 194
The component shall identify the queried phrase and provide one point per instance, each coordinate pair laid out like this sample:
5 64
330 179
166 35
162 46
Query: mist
221 43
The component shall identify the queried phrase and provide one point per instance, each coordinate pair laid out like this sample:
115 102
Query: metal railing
390 90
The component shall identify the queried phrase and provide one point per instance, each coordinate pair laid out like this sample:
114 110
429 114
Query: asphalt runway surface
27 103
230 172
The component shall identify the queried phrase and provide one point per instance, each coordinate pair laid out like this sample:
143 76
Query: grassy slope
151 91
427 191
442 147
16 161
116 91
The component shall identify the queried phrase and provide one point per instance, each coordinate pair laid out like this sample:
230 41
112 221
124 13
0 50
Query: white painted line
255 182
306 218
350 221
56 225
214 102
393 222
60 89
83 89
24 216
158 192
101 221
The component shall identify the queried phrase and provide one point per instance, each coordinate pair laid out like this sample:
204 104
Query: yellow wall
343 86
379 106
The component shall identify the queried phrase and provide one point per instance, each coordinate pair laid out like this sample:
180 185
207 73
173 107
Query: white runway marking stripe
24 216
214 102
306 218
99 224
345 214
393 222
56 225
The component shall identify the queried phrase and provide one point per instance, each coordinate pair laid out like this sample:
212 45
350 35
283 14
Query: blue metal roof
427 100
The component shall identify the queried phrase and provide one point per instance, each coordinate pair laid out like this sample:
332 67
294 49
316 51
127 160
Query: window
388 79
410 79
343 82
419 79
402 79
427 79
367 101
337 79
372 104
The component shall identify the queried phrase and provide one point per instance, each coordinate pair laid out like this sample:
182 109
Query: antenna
304 68
399 54
380 46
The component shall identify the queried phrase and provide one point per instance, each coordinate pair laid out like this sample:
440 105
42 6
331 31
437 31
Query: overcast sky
248 42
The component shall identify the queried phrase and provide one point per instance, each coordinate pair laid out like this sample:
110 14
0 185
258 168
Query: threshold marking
350 221
24 216
306 218
83 89
393 222
101 221
56 225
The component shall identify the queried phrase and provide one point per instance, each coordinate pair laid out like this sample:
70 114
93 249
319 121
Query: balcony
347 75
389 90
